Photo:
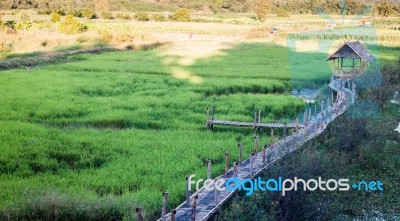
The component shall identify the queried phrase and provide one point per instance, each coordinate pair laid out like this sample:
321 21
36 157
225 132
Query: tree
385 8
262 8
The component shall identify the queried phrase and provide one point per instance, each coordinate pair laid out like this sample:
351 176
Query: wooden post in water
240 152
235 169
173 213
187 190
256 144
208 169
164 206
226 163
264 150
194 208
139 214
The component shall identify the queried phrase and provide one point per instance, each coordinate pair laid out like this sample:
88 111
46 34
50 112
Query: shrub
25 22
124 38
123 16
107 15
142 16
182 15
89 13
10 27
262 9
282 13
105 36
158 17
71 25
55 17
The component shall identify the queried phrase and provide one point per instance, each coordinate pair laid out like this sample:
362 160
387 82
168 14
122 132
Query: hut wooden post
226 163
139 214
208 169
164 206
240 152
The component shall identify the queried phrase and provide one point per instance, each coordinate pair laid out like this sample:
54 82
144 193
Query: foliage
24 23
385 8
123 16
262 8
158 17
71 25
107 15
142 16
55 17
182 15
89 13
282 13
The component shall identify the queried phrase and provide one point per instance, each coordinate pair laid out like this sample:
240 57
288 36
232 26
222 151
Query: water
308 95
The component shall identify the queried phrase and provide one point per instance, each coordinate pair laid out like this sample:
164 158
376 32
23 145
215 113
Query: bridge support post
251 164
164 206
187 191
284 130
235 171
264 150
240 152
139 214
194 208
226 163
208 169
256 144
173 213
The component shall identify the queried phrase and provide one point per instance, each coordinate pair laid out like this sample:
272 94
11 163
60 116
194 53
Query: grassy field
115 130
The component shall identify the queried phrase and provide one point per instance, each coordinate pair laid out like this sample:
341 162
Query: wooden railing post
226 163
297 124
235 169
259 116
208 113
194 208
240 152
164 206
173 213
208 169
187 190
139 214
284 130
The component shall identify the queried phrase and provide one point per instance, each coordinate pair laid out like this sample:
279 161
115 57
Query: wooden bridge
202 204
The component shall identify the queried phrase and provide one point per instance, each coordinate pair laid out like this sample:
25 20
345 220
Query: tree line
381 7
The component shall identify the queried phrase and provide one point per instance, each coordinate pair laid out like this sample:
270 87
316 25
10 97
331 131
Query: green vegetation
71 25
354 148
181 15
55 17
142 16
105 133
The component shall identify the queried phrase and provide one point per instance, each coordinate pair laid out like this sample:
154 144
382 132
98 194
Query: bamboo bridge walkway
202 204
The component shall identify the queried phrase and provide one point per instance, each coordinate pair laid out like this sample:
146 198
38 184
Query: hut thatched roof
353 49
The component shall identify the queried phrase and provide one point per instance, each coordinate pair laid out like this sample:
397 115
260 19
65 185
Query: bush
158 17
262 9
282 13
25 22
107 15
55 17
105 36
71 25
142 16
182 15
123 16
89 13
